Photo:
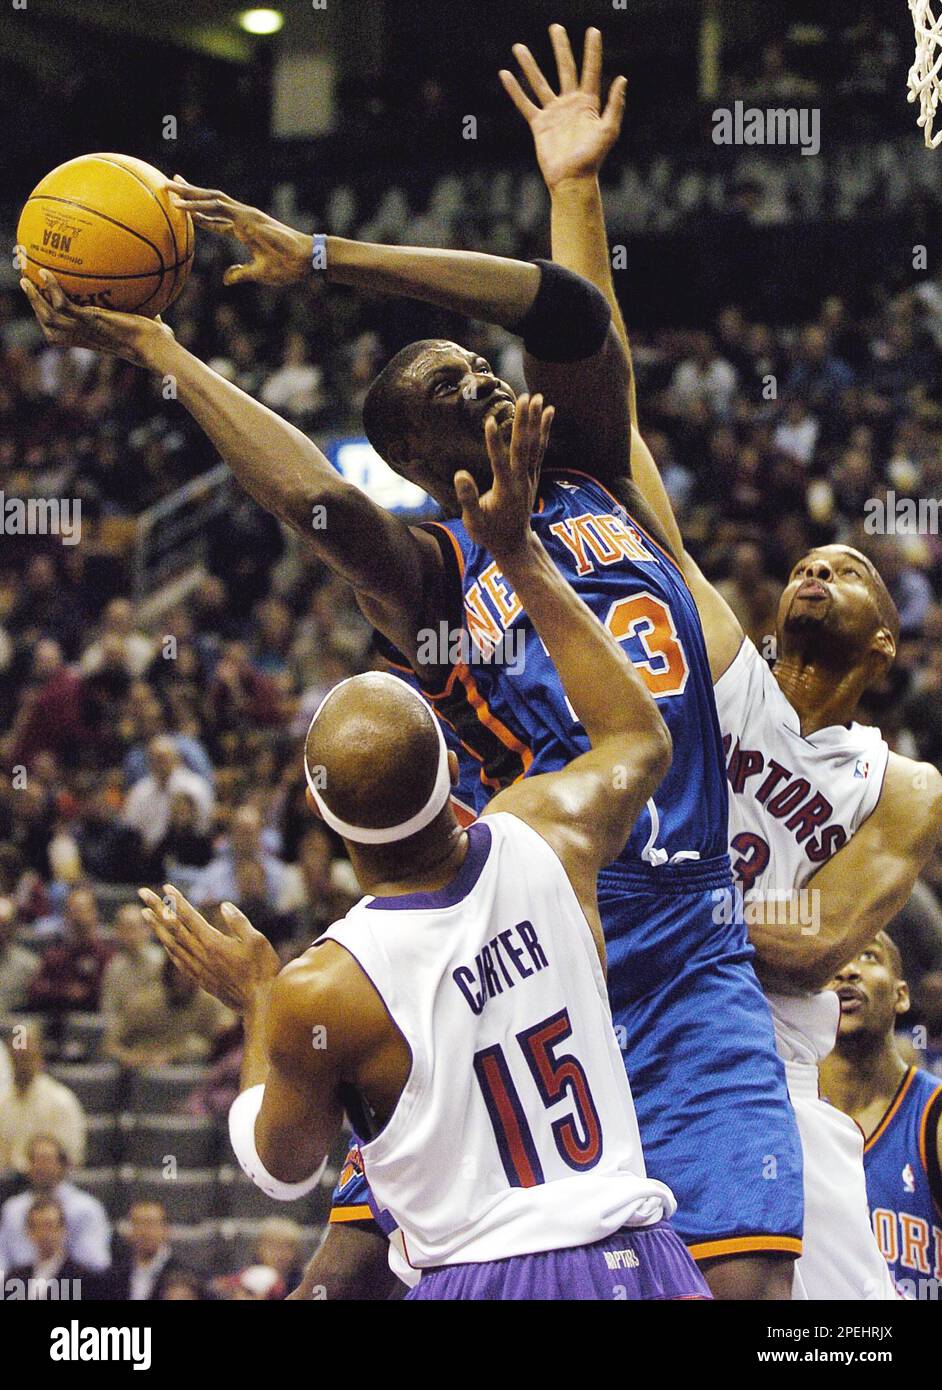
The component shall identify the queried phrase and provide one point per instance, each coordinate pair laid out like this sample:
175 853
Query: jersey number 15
556 1076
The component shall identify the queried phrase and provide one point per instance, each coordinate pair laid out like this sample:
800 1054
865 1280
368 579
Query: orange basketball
105 226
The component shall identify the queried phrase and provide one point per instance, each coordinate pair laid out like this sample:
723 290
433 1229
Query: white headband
362 835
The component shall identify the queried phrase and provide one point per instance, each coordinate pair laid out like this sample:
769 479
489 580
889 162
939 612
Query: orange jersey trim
923 1125
484 716
360 1212
742 1245
456 547
900 1096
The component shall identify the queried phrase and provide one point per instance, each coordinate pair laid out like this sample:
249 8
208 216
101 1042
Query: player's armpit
862 888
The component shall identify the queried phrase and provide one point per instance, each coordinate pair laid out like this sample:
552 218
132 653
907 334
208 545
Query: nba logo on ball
106 228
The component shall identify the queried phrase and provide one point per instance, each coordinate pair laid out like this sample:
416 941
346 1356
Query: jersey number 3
579 1145
648 620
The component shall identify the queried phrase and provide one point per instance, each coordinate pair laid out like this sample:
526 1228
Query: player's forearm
272 459
608 696
254 1068
492 288
289 476
580 243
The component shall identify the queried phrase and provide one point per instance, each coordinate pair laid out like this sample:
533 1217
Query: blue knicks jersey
504 701
904 1184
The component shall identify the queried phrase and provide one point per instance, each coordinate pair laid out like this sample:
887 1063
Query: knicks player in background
899 1110
803 777
462 1001
696 1032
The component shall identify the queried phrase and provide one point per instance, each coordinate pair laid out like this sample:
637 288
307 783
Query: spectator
136 963
88 1233
278 1246
295 389
50 1272
178 1285
751 595
241 697
147 808
18 966
36 1105
144 1258
118 624
168 1021
818 375
185 849
149 723
71 972
704 377
220 880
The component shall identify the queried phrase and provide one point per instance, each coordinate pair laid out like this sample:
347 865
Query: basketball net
924 82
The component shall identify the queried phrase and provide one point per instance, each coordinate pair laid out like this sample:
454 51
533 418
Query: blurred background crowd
787 336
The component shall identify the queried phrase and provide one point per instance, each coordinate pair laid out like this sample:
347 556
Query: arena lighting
261 21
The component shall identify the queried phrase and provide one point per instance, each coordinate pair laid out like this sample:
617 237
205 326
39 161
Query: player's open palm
233 964
500 519
280 255
571 131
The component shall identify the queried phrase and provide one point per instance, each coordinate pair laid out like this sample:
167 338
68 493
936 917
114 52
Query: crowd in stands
140 750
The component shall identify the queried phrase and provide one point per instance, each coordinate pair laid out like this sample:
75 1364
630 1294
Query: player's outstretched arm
572 135
390 565
565 323
859 891
586 810
296 1025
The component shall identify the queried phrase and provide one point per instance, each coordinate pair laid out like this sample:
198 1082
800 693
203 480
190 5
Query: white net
925 85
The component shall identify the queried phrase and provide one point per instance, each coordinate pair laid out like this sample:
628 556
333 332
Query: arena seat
193 1140
190 1196
82 1035
103 1141
241 1200
162 1090
97 1085
197 1247
101 1183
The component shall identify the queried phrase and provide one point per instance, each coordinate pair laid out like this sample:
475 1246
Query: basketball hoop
925 85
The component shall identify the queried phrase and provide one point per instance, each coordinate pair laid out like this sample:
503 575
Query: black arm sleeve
568 320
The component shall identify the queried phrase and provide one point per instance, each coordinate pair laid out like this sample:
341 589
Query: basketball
105 226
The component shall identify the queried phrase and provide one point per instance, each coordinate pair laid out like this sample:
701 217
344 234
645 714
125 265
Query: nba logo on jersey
862 769
909 1178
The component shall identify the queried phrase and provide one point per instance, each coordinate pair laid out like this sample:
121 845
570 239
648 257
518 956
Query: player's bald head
889 614
373 752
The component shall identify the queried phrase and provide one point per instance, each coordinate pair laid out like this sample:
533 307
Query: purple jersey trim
461 885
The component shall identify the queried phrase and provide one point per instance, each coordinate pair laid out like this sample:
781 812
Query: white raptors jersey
516 1131
794 800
